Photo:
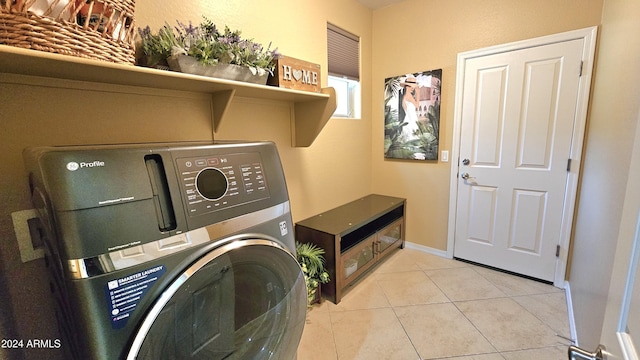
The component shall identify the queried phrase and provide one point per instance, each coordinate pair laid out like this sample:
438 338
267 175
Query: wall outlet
29 233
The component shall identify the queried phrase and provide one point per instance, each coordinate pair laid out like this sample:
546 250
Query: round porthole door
244 300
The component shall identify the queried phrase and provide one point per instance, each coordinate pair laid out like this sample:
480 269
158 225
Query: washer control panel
214 182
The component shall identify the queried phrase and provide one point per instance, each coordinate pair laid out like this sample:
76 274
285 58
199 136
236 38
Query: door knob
465 176
576 353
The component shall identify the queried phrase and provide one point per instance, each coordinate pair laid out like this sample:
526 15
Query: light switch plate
445 156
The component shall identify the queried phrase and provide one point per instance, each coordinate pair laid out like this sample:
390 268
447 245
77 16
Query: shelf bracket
310 117
220 101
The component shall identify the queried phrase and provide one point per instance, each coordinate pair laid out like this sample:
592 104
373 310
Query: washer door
244 300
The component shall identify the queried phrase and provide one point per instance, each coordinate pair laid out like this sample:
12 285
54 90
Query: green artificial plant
206 44
311 260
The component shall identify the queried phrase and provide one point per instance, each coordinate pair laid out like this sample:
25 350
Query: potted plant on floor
311 260
204 50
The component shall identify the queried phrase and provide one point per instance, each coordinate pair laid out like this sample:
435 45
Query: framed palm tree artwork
412 115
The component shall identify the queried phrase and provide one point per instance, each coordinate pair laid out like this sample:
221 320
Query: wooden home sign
295 74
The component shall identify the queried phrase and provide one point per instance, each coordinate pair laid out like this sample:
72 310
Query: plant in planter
311 260
204 50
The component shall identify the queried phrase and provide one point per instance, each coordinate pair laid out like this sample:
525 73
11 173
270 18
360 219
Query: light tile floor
416 305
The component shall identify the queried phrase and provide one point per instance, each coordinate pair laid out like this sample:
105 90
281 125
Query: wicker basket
61 26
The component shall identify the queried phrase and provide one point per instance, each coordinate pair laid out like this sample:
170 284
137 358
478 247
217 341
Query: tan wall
605 174
419 35
335 169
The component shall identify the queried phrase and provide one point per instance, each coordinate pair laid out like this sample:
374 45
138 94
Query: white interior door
518 114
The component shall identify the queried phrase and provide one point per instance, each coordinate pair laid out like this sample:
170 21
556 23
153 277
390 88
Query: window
348 97
343 51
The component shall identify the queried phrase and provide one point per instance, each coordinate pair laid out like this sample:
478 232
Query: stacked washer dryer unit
172 251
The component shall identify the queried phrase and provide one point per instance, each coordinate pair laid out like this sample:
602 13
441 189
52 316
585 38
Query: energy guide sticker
124 294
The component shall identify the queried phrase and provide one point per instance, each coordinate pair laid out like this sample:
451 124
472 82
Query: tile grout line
528 295
497 282
511 297
393 308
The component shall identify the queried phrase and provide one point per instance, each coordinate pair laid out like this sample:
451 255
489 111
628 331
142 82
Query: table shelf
354 236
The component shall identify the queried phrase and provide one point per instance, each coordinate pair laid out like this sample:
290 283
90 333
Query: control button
211 183
213 161
201 162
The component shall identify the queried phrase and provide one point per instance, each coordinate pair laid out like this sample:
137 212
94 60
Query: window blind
343 50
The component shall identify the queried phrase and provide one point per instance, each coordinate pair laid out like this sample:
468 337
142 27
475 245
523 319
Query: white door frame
588 55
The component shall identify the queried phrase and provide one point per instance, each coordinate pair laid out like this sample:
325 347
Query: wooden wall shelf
311 110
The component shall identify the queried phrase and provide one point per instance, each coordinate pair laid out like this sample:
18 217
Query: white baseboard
572 320
429 250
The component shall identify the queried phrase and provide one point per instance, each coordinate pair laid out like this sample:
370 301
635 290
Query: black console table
355 236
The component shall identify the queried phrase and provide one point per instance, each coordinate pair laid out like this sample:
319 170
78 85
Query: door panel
528 215
518 113
482 211
487 135
538 114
